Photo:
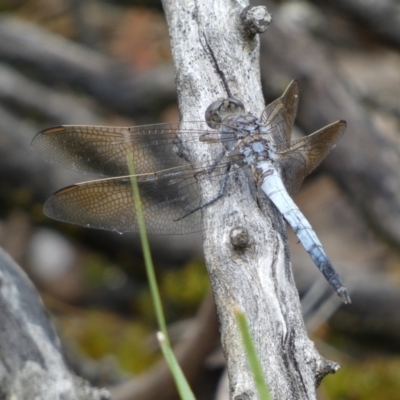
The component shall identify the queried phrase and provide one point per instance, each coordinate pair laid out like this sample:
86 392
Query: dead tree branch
380 16
216 56
365 163
54 58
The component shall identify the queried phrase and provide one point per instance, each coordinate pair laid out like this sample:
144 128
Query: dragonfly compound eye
212 112
234 105
222 108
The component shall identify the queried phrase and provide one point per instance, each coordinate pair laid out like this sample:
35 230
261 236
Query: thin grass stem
182 385
252 357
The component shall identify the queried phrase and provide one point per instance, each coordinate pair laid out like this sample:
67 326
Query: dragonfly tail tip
344 295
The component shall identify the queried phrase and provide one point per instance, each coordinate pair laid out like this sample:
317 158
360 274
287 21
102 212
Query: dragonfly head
222 108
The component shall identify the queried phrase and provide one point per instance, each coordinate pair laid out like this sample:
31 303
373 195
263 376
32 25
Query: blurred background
109 63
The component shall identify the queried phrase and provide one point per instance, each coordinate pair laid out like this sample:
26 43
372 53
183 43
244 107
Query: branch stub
256 19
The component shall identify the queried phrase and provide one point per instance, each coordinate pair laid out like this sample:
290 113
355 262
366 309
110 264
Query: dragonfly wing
279 116
103 150
306 153
167 201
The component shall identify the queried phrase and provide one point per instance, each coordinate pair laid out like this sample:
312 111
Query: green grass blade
252 357
146 250
183 387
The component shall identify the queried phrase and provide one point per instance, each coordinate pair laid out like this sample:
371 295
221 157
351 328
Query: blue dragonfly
168 183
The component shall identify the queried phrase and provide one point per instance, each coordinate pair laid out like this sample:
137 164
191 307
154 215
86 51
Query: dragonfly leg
217 161
220 194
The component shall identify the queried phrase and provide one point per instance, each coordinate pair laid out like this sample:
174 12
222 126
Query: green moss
133 353
373 378
93 272
99 334
144 307
183 290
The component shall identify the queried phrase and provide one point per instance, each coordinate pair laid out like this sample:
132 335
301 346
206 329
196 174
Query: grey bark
216 56
380 16
366 164
58 108
32 365
52 58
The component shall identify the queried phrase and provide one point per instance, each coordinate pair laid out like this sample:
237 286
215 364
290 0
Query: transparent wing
168 199
103 150
279 116
305 154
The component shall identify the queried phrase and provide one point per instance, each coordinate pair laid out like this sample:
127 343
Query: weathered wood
380 16
365 163
56 107
52 58
32 365
214 57
361 259
24 168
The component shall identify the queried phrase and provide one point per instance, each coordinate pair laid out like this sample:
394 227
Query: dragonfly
169 183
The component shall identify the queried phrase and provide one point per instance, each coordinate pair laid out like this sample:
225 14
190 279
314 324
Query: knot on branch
327 367
245 396
239 237
255 19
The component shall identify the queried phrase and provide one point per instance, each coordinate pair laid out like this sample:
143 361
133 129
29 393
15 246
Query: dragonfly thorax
240 125
255 149
248 141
